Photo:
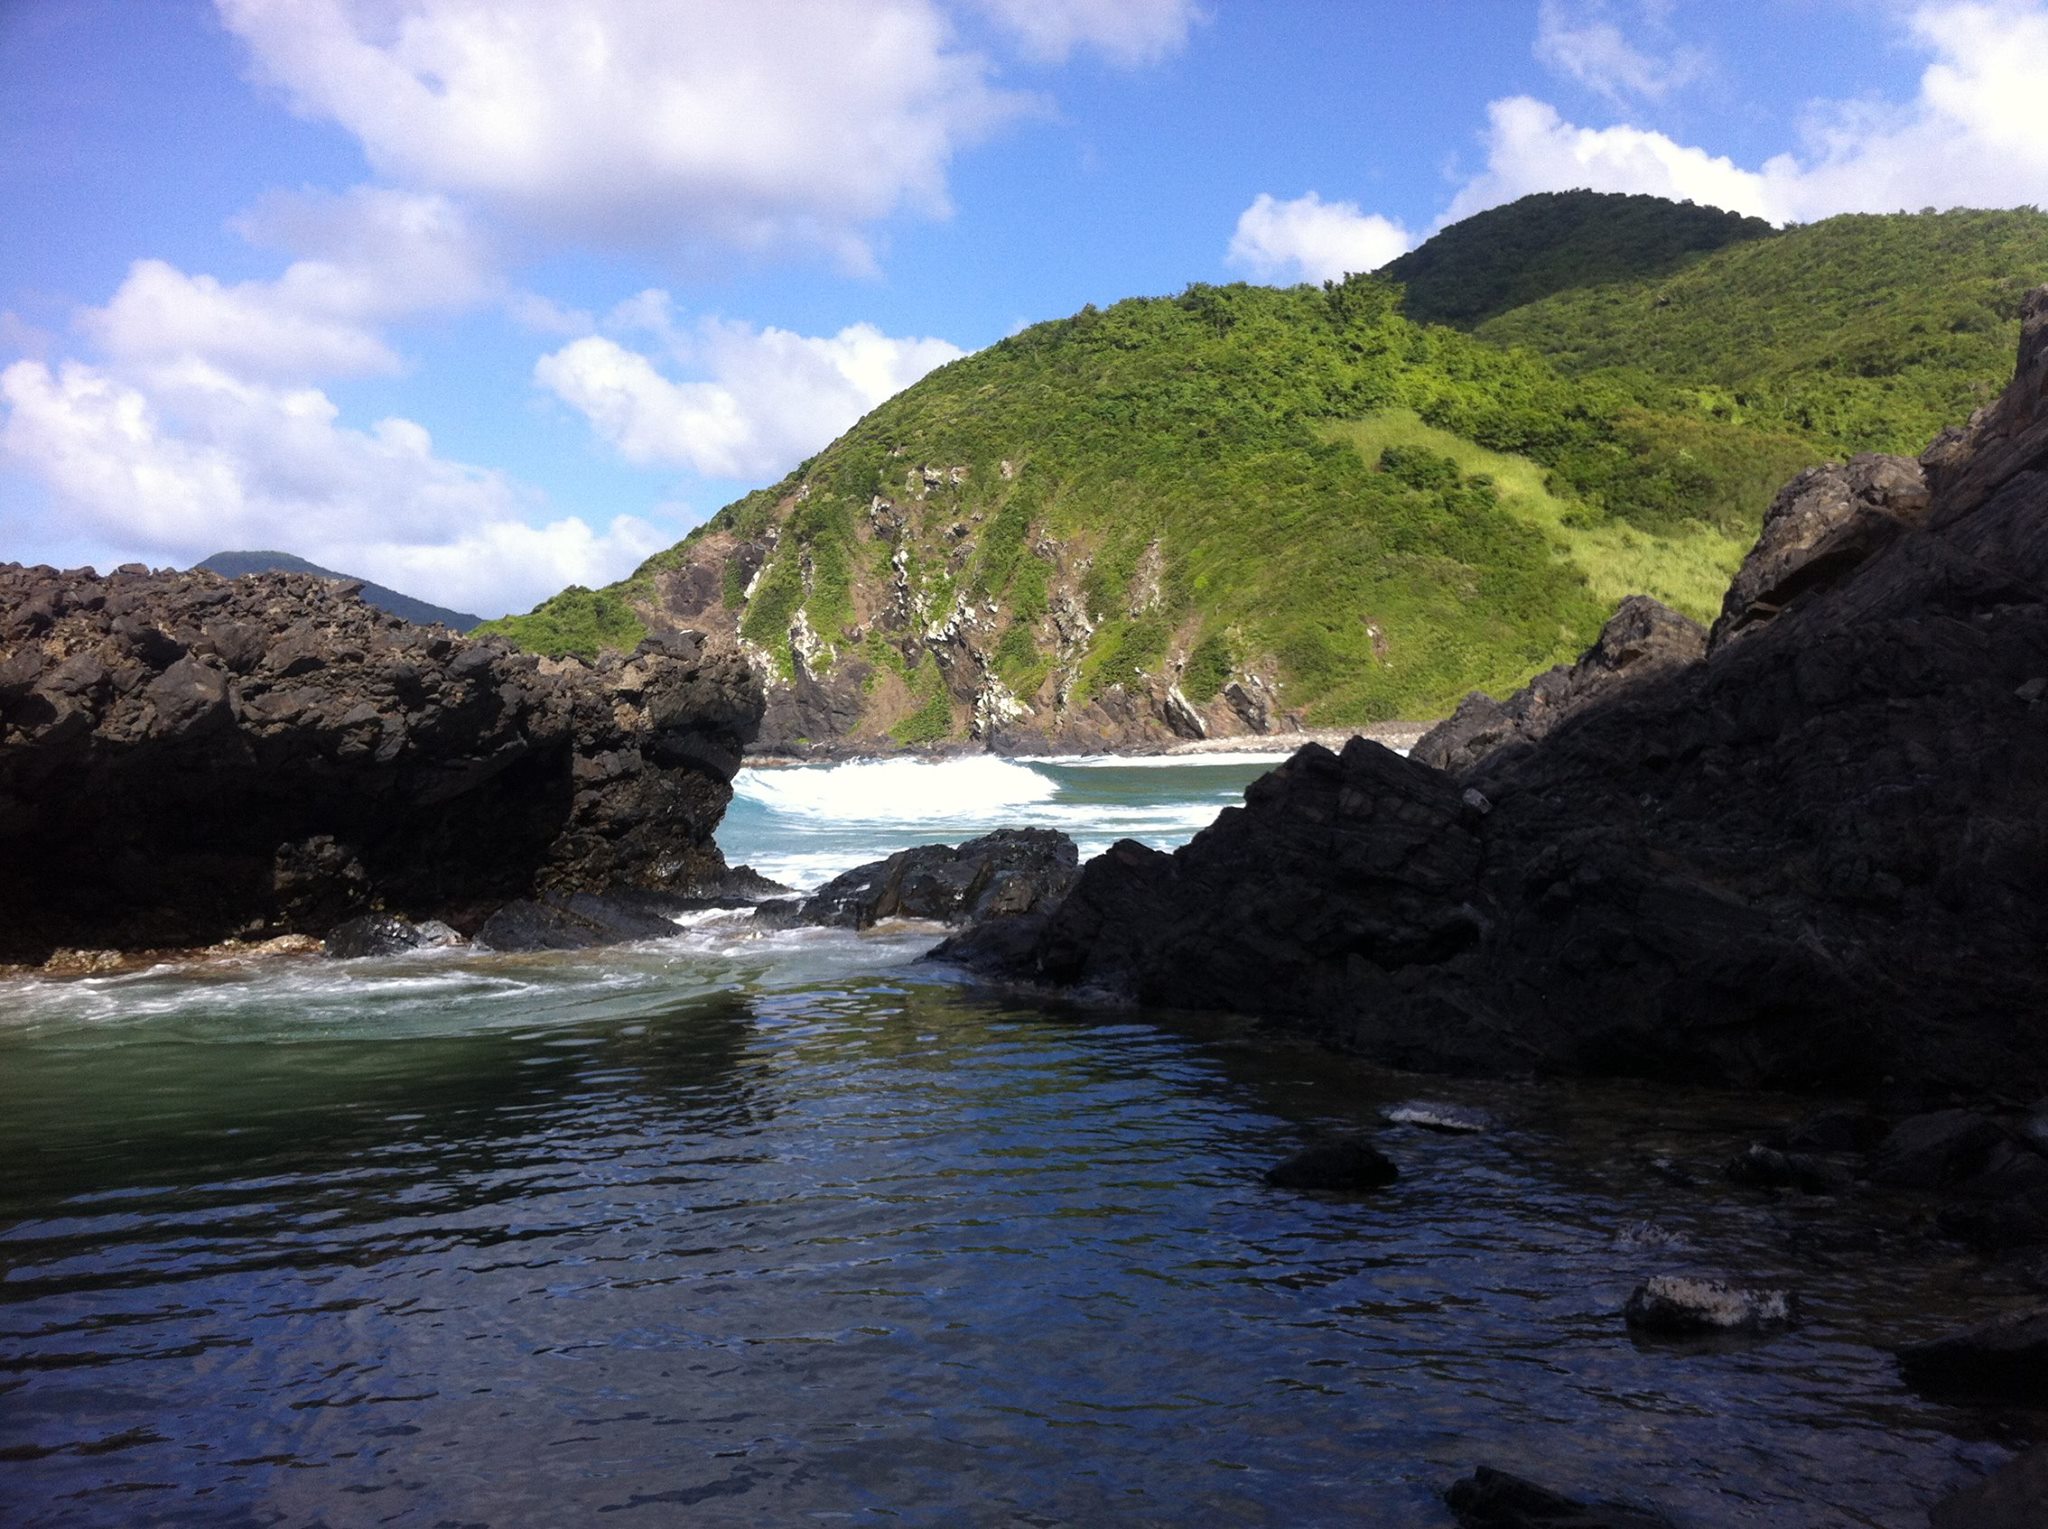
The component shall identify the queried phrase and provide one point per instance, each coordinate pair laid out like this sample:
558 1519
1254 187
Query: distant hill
233 565
1557 241
1865 333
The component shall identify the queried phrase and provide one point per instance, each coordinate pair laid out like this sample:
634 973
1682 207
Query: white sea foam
895 790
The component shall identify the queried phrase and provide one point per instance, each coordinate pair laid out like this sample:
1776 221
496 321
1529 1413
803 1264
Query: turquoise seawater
735 1230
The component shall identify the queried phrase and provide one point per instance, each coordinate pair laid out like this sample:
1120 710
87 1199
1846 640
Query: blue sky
480 298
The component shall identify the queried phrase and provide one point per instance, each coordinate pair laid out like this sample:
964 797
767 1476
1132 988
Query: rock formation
1817 857
1643 637
185 757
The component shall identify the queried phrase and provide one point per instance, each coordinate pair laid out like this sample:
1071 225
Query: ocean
800 1228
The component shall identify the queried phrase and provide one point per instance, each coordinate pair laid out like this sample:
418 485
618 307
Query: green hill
1865 333
1246 506
1553 242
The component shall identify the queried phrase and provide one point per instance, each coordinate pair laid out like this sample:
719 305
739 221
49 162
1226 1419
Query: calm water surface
725 1230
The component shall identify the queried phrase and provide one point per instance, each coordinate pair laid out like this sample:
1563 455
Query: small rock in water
1347 1163
1672 1305
2005 1358
373 934
1671 1171
1448 1118
1491 1499
1762 1167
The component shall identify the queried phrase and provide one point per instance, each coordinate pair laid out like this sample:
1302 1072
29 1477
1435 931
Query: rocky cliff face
1815 857
186 758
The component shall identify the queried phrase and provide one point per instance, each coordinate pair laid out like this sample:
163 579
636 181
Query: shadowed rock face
1643 637
184 758
1817 857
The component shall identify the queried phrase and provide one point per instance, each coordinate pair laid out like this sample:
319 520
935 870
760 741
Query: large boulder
1815 858
185 758
999 876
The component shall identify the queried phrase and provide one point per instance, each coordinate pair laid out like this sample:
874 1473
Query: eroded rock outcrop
185 758
1817 857
986 881
1643 637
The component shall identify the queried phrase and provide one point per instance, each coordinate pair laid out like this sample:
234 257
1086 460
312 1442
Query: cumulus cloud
1309 239
1127 32
1529 147
763 125
1971 136
1581 40
771 398
368 257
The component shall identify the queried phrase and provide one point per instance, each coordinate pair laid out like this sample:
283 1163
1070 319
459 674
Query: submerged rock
1347 1164
1491 1499
2006 1359
1762 1167
1813 859
1670 1305
1447 1119
2011 1497
185 758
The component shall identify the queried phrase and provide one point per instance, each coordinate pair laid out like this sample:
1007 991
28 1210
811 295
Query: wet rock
1641 638
573 921
1672 1172
1670 1305
1997 1225
1814 859
1000 875
2006 1359
1940 1148
1761 1167
1346 1164
185 758
1834 1130
385 934
1491 1499
2011 1497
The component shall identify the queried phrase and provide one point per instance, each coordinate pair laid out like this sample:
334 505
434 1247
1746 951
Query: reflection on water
730 1231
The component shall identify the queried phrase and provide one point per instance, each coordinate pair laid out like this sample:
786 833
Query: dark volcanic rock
1001 875
2009 1498
1347 1164
575 921
1762 1167
2006 1358
1640 639
384 934
1816 858
185 758
1491 1499
1674 1307
1822 523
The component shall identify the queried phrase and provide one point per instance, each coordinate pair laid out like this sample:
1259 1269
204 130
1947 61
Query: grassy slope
1555 241
1864 333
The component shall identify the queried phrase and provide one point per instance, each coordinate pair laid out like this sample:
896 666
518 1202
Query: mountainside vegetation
1556 241
1862 333
1244 507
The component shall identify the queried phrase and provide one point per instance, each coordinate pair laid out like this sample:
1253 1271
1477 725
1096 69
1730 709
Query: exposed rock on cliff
1817 857
185 757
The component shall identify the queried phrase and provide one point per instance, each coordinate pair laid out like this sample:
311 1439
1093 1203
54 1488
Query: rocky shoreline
187 759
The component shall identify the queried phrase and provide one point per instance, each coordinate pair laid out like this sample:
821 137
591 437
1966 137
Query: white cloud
369 256
771 399
1529 147
1580 40
1309 239
1127 32
1971 136
763 125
